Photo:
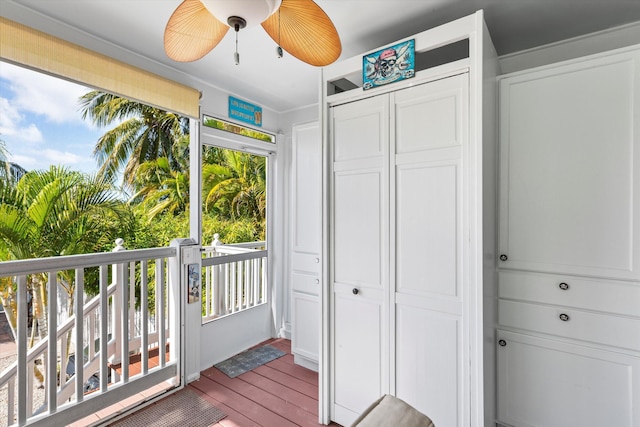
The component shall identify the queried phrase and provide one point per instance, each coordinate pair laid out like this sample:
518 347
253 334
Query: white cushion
389 411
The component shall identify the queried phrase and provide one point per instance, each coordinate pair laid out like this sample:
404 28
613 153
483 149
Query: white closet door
430 139
306 243
360 260
570 168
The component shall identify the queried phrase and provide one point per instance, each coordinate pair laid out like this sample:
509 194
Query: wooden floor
277 394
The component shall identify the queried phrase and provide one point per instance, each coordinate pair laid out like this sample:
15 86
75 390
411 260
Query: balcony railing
235 278
139 293
81 363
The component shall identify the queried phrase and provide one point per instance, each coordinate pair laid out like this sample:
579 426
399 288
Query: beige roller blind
34 49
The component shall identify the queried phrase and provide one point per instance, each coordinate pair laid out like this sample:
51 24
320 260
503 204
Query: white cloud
56 157
37 159
54 98
11 124
26 161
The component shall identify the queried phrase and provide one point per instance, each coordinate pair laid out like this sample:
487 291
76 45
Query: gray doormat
185 408
249 360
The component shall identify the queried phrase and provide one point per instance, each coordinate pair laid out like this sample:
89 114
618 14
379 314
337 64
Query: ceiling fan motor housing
252 12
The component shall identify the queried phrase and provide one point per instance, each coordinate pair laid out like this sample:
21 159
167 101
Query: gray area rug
185 408
249 360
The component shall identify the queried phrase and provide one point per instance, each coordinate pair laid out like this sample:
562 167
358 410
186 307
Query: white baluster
117 306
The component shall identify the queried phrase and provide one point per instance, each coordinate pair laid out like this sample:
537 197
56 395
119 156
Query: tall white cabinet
306 243
406 279
398 241
569 283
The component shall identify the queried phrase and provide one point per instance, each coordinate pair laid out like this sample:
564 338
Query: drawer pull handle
564 286
355 291
564 317
317 281
317 260
502 343
503 257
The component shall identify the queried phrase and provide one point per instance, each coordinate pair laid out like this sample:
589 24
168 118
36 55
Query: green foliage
63 212
231 231
60 212
141 133
237 129
235 186
164 228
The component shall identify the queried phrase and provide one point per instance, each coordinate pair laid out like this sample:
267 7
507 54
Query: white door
399 232
306 243
237 328
430 138
570 167
359 256
543 382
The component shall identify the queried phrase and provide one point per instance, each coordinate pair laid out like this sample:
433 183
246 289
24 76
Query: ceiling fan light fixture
254 12
301 28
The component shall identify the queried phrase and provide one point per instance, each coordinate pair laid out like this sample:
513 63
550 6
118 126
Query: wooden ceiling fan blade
305 31
191 32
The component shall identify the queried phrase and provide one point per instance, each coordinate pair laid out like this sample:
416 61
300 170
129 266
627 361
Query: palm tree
237 187
161 189
140 133
58 212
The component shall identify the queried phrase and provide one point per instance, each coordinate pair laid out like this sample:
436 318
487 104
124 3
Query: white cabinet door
543 382
570 167
360 256
306 243
431 359
306 189
305 329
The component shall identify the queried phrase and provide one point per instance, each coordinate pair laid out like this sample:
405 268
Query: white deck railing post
216 290
176 294
117 305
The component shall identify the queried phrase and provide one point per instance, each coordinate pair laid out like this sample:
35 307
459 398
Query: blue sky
41 122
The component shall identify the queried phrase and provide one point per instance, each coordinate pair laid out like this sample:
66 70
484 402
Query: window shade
34 49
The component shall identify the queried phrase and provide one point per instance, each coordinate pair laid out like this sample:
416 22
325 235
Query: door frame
270 314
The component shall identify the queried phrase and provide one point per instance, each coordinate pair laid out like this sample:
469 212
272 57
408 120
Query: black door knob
355 291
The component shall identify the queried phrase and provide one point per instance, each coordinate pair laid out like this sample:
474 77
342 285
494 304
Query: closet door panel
358 227
428 251
359 132
569 168
427 363
358 356
427 116
544 382
306 243
360 255
427 241
307 190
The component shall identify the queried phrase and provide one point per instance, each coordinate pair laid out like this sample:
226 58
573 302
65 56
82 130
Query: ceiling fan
300 27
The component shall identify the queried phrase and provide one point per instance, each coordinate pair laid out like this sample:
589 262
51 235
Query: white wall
601 41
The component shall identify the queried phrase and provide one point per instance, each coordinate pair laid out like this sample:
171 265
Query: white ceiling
286 84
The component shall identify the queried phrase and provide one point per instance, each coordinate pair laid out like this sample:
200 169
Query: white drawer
305 262
307 283
618 297
597 328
